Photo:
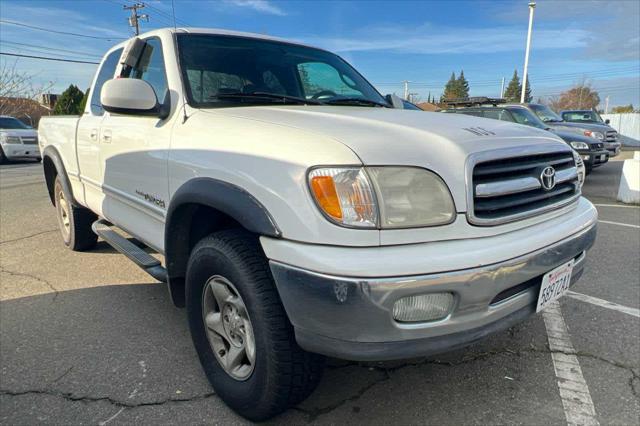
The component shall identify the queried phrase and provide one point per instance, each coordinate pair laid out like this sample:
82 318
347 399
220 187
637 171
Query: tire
588 170
3 158
282 374
74 222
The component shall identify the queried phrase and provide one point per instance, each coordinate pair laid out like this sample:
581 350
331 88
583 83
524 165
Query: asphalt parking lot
87 338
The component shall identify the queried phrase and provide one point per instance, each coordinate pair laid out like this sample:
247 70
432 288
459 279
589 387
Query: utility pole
606 105
532 6
135 18
502 89
406 89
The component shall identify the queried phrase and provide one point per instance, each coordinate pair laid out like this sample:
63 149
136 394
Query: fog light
424 307
586 157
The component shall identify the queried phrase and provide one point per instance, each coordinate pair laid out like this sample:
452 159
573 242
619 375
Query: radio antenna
173 10
175 40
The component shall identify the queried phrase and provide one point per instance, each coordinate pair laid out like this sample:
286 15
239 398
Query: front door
134 152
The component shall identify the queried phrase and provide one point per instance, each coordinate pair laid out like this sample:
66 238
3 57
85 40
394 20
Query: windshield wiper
266 96
355 101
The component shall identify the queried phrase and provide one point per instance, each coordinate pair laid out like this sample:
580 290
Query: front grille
597 146
508 189
611 136
29 140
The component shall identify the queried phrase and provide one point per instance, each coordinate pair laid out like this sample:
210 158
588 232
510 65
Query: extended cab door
134 150
88 138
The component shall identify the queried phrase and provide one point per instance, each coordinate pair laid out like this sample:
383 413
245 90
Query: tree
512 94
528 97
622 109
451 88
69 102
85 99
582 96
18 92
462 86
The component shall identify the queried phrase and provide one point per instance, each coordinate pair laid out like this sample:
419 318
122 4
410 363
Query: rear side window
498 114
106 73
150 68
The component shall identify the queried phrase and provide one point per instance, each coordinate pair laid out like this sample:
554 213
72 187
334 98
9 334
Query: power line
167 16
48 58
134 19
47 48
33 27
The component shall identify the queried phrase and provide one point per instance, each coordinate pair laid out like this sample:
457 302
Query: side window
498 114
318 77
106 73
150 68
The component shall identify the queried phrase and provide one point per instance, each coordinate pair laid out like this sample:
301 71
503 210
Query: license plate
554 284
603 157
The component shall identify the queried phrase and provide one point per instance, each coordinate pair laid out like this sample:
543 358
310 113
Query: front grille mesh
509 188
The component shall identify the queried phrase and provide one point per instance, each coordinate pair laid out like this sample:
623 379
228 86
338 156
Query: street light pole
532 6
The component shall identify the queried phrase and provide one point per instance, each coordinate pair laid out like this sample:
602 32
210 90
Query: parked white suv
17 140
299 215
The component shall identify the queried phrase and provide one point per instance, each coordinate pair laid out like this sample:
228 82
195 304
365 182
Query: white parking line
617 205
619 224
574 392
604 303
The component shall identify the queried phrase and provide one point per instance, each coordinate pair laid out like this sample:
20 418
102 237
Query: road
87 338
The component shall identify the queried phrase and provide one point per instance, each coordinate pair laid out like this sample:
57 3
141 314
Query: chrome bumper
352 318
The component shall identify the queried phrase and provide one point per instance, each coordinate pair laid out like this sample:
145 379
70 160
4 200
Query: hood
19 132
576 127
384 136
575 137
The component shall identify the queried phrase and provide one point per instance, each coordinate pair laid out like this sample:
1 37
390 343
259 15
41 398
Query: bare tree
581 96
18 92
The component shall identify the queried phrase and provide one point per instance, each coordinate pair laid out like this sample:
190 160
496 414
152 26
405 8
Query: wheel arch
53 166
202 206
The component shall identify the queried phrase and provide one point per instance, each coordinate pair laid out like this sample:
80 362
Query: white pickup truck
300 215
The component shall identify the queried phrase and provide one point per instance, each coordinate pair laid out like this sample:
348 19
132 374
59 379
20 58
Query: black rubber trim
52 153
226 198
386 351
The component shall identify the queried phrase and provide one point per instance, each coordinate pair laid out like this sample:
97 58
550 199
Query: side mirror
131 96
607 121
395 101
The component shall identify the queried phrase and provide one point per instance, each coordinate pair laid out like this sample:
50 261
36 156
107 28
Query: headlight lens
579 145
384 197
11 139
592 134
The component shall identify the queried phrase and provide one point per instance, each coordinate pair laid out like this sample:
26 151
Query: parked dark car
592 151
599 131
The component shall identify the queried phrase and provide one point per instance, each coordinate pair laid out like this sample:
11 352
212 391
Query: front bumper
594 158
352 318
613 148
19 151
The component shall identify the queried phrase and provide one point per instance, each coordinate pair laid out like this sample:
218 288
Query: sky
387 41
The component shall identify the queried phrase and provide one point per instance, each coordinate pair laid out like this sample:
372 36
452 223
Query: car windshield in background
12 123
545 113
222 71
523 116
582 117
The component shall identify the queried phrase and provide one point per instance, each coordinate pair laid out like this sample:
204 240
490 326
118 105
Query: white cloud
443 40
263 6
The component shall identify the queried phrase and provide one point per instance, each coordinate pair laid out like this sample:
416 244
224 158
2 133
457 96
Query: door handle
94 134
106 136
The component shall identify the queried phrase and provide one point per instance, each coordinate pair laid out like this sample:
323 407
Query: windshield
523 116
545 113
582 116
222 71
12 123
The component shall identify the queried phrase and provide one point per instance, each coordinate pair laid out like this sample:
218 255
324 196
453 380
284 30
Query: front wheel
240 330
74 222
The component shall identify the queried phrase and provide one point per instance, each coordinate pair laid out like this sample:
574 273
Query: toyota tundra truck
297 214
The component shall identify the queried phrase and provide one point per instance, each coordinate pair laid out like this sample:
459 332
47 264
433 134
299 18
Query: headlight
592 134
11 139
382 197
579 145
580 167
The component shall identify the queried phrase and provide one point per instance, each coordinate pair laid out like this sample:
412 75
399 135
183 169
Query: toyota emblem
548 178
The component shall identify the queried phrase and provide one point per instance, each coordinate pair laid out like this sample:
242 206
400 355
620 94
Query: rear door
134 152
88 138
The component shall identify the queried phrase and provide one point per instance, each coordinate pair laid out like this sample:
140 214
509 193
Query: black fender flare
52 154
224 197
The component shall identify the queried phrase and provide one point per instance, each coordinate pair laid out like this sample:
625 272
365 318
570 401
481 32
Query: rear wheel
240 330
74 222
